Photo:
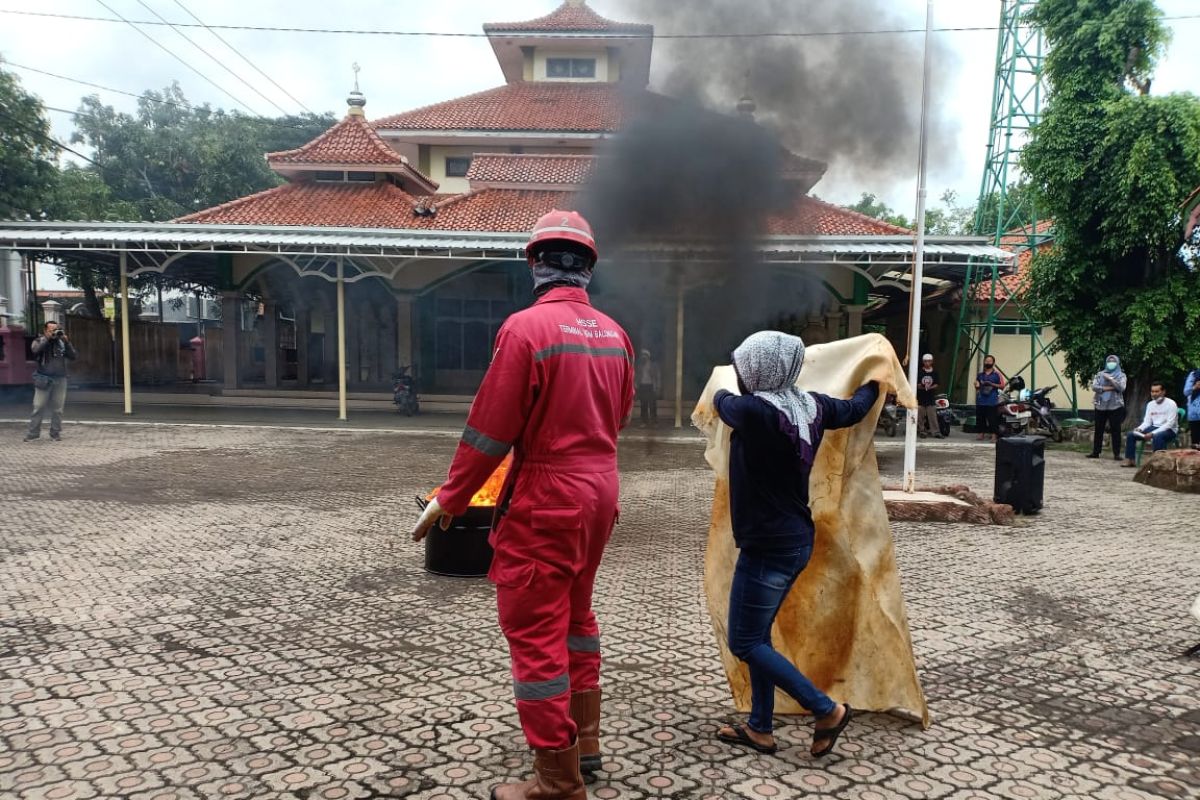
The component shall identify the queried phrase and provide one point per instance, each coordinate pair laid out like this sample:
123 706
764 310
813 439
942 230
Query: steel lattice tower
1017 99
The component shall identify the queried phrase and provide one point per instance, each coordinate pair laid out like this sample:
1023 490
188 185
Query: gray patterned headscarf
769 363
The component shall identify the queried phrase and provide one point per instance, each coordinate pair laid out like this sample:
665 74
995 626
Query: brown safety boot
585 710
555 777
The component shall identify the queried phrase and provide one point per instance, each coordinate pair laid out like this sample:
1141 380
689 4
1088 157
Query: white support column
341 334
126 367
679 354
854 321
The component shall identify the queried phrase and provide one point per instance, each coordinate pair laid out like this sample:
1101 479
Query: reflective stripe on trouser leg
534 620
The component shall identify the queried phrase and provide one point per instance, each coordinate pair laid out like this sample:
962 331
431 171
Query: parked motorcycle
404 392
889 418
1015 415
945 416
1043 414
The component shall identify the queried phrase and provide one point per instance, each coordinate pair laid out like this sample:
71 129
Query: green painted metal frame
1018 95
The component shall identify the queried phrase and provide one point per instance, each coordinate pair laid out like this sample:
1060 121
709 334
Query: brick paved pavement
218 612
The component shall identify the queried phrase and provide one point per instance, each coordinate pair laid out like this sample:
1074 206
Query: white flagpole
918 272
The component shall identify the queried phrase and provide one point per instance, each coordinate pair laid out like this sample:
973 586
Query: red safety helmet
561 226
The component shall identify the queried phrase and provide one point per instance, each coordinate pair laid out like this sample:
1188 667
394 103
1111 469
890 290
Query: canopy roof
156 246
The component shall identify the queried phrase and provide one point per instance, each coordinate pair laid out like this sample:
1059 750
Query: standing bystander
927 386
988 385
649 380
52 350
1109 402
1191 396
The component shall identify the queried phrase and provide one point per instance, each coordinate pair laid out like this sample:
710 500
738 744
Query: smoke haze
852 101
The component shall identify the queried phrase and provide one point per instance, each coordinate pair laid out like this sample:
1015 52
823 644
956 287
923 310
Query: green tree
872 206
950 219
170 158
27 153
1111 165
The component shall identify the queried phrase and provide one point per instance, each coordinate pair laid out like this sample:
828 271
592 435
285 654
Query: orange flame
489 495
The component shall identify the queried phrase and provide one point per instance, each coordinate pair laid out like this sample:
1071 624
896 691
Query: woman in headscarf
1109 400
777 429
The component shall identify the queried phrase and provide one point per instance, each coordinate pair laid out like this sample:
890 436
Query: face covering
546 277
1111 366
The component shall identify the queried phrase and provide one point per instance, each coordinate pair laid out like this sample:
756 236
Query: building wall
1013 356
437 166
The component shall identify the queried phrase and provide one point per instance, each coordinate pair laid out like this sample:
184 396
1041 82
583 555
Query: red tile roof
351 141
1016 283
541 106
341 205
530 170
810 216
499 210
573 16
383 205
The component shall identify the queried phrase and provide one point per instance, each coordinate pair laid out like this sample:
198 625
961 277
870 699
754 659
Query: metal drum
462 550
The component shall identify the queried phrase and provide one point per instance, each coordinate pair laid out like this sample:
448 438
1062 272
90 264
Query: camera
58 334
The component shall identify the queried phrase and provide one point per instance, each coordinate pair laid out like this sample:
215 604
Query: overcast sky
400 73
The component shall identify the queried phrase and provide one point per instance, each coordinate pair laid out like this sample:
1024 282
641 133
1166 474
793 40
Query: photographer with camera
52 350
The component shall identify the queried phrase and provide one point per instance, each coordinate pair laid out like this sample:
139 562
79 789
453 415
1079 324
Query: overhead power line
171 103
213 58
177 57
159 101
538 35
244 58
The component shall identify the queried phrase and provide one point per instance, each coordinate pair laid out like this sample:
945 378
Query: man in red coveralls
560 387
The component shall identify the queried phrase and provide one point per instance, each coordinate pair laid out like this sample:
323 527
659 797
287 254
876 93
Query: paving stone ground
190 612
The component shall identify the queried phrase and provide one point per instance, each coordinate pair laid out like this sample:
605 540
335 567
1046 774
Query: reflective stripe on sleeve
584 644
542 690
484 443
582 349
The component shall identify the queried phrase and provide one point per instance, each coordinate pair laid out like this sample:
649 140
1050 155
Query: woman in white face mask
1109 399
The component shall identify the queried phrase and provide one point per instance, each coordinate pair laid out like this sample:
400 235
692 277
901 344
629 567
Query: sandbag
844 623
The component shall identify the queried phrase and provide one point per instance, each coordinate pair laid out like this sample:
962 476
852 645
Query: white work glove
432 513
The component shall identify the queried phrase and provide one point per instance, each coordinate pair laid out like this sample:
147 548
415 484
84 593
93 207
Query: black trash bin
462 550
1021 472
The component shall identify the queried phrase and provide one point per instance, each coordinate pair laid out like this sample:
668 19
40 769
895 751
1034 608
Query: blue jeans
1158 442
761 581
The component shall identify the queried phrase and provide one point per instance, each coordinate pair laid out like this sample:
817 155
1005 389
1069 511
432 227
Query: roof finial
356 100
577 3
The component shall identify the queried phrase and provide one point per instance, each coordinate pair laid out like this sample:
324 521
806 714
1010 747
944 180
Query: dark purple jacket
769 465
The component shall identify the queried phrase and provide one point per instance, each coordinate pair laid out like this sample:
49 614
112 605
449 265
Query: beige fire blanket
844 623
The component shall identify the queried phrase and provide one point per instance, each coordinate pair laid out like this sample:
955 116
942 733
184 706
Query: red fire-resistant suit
559 388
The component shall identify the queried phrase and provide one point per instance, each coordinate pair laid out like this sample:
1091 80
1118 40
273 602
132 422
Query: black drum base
458 552
462 551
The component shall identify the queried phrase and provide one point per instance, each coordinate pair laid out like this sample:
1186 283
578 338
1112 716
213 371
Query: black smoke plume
850 100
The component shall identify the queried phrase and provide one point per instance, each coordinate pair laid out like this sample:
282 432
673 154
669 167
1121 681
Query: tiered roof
573 16
383 205
352 143
508 192
502 170
541 106
340 205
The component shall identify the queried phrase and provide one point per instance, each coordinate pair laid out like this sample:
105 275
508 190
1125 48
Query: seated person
1160 425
